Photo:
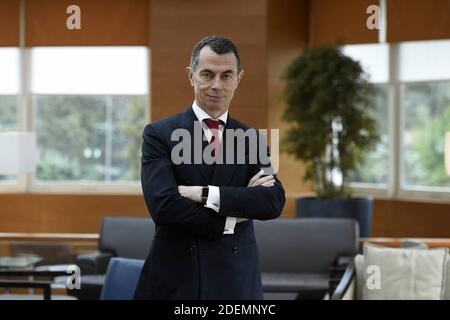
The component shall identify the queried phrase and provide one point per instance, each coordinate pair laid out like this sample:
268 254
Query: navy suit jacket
190 257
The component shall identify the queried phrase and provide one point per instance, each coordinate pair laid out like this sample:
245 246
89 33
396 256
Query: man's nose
217 83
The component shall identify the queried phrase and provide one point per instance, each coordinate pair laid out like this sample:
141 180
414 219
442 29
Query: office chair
121 279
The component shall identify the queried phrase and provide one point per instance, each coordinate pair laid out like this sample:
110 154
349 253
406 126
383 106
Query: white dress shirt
213 201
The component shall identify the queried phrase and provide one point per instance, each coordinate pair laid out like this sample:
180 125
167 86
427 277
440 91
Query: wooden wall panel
83 213
177 25
343 22
287 32
9 23
64 213
418 20
103 22
401 218
269 34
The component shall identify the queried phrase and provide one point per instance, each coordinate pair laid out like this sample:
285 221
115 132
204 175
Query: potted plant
328 103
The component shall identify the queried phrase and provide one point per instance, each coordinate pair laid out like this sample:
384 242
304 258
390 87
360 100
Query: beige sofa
352 281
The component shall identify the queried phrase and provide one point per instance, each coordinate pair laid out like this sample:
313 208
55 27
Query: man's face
214 80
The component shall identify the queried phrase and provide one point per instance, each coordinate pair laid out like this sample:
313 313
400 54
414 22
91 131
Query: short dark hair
218 44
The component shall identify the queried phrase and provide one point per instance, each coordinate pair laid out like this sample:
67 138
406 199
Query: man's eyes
206 75
209 76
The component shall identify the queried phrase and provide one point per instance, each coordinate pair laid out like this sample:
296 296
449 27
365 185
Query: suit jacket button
234 249
192 248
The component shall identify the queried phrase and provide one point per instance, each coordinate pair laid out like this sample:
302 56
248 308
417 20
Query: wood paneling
177 25
418 20
341 22
103 22
287 32
63 213
401 218
9 23
330 21
83 213
269 35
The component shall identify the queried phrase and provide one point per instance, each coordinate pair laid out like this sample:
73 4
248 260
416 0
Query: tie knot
213 124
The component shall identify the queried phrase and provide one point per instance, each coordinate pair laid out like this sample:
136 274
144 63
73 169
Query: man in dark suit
204 245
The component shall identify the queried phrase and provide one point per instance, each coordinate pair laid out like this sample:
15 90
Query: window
374 59
424 73
9 94
375 168
412 121
90 106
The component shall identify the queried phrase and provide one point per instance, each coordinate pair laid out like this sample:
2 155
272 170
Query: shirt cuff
230 223
213 201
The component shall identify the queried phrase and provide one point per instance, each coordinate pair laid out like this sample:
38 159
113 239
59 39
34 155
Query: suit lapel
188 118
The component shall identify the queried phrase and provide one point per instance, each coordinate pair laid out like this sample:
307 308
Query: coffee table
19 262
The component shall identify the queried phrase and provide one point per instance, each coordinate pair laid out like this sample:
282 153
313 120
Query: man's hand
257 179
191 192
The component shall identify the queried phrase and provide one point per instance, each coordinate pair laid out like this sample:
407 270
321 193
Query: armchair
349 282
125 237
296 254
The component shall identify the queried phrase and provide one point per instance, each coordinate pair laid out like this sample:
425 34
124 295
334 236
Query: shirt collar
201 114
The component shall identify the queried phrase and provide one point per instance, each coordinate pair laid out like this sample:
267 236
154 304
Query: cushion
447 281
314 253
405 274
360 275
291 282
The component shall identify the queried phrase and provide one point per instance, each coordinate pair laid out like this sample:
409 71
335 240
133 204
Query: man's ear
190 75
241 74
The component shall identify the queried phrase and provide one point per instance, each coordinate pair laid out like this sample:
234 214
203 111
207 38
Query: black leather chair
296 254
126 237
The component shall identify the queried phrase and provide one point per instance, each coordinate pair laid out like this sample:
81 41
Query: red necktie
213 125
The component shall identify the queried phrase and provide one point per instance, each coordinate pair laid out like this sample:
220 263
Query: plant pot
359 209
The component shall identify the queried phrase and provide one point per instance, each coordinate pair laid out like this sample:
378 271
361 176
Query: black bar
32 273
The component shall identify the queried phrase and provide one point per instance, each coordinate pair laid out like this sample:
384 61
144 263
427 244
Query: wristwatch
205 193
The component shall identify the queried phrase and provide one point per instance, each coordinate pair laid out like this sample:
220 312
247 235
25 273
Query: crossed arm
262 199
195 192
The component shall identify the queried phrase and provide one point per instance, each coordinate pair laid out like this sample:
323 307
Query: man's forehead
208 59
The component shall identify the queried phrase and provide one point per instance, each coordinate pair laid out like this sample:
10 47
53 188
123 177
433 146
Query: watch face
205 192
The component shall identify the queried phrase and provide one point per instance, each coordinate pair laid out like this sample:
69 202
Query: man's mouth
214 97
